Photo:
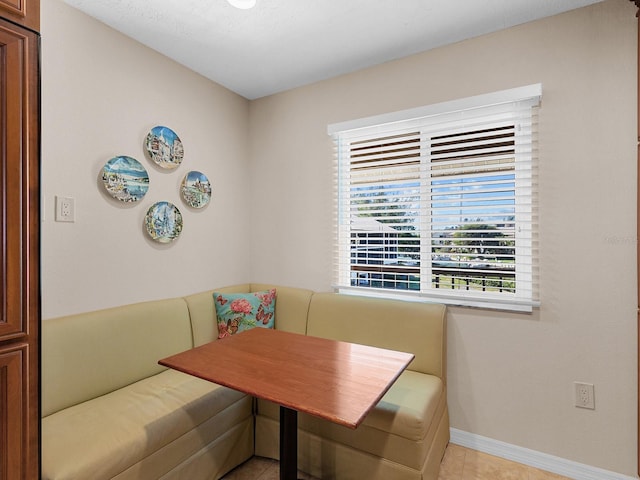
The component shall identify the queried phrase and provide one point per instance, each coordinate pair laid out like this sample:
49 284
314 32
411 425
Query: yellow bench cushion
100 438
400 428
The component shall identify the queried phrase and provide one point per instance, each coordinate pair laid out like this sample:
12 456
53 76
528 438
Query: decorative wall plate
164 147
163 222
195 189
125 179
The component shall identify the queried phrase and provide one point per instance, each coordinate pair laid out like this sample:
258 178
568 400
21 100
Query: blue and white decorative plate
164 147
125 179
163 222
195 189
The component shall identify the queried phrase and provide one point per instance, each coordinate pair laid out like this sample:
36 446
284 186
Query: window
439 202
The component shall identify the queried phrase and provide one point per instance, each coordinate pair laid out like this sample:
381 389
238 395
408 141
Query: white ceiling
282 44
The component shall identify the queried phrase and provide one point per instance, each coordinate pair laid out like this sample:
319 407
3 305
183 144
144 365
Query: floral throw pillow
237 312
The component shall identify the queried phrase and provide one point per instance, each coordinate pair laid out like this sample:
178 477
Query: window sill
449 298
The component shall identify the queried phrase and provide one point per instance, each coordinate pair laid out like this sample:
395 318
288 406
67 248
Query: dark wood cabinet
19 248
13 389
22 12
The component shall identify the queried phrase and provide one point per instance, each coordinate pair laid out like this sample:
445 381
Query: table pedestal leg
288 444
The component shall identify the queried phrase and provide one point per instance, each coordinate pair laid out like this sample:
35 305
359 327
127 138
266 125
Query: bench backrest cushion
88 355
414 327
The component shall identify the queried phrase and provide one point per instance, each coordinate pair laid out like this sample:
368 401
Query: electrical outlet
65 209
585 395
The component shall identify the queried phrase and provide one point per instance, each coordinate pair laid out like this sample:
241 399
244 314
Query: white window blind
439 202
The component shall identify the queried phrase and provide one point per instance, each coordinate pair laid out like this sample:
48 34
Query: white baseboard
532 458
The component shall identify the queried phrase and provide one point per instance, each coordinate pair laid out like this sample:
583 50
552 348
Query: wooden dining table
334 380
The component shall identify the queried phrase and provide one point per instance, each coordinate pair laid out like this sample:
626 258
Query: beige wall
271 217
101 93
510 375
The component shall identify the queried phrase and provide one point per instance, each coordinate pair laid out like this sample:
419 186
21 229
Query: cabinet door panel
14 6
12 412
24 12
15 166
19 252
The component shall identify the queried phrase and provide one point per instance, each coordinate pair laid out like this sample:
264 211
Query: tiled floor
258 468
459 463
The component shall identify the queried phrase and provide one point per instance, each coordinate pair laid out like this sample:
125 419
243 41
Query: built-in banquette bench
110 411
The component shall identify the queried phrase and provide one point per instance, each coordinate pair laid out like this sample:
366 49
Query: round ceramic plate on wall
125 179
195 189
163 222
164 147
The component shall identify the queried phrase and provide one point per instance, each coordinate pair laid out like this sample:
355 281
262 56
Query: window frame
527 98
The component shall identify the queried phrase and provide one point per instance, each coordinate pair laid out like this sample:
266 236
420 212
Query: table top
338 381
